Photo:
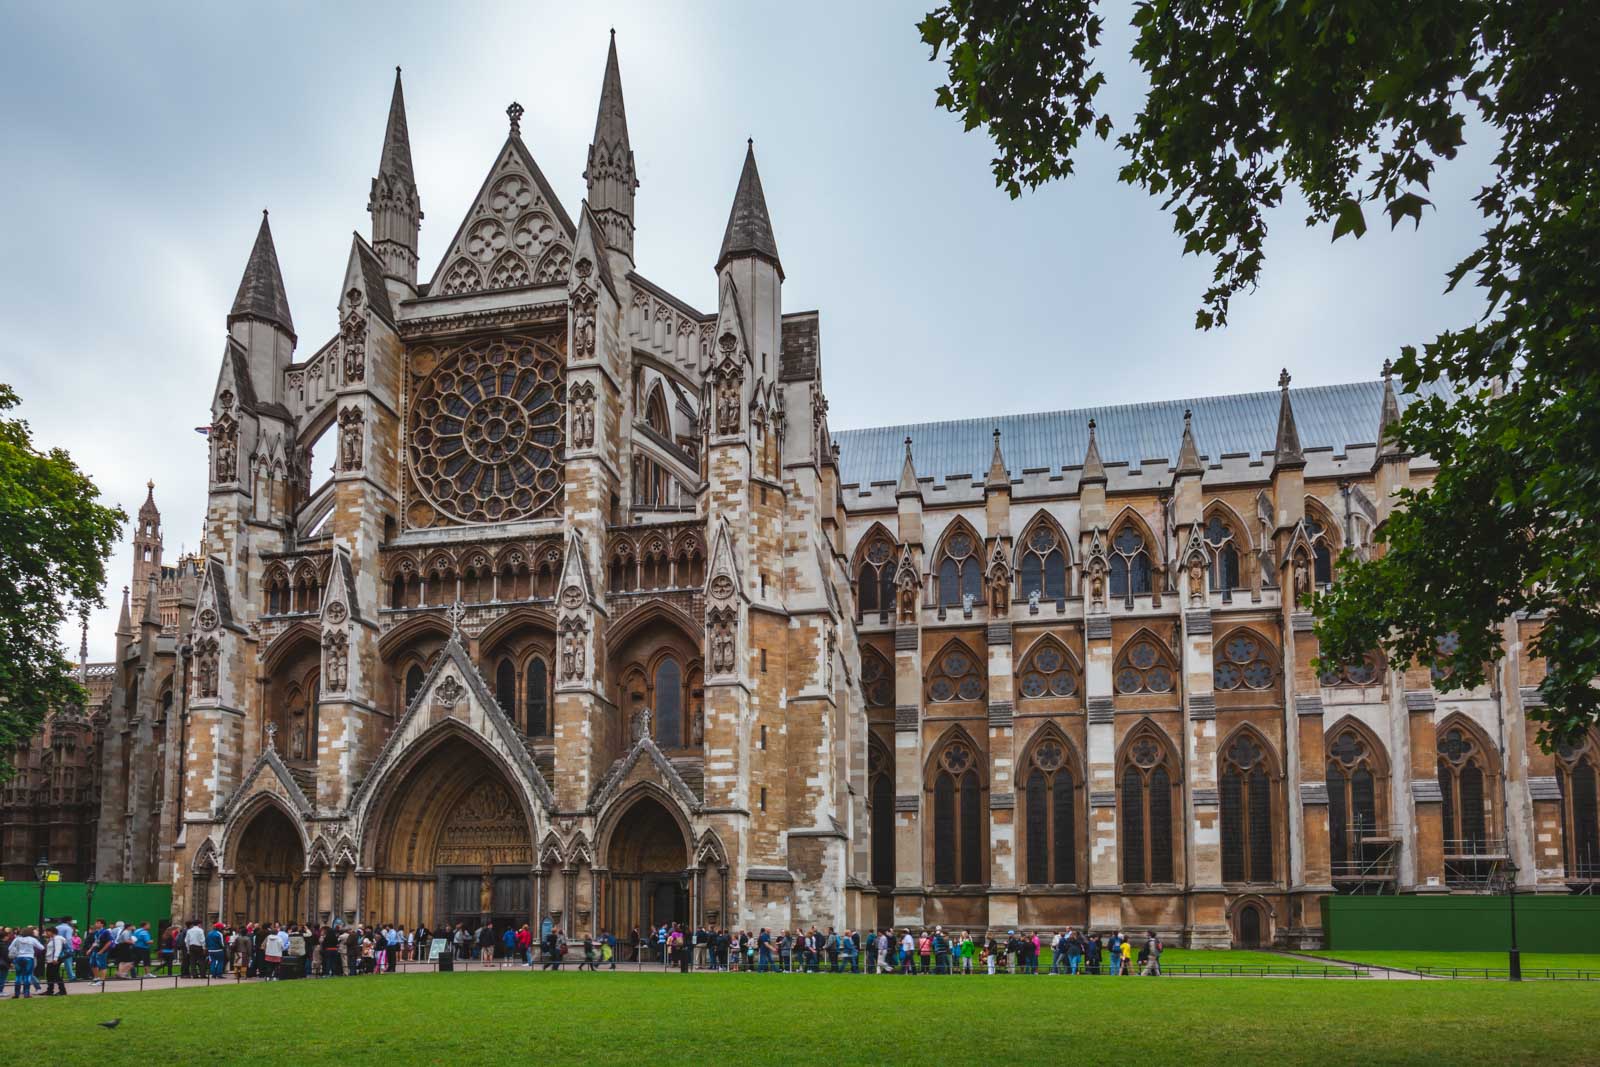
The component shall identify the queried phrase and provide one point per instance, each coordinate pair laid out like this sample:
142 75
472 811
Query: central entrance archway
269 868
452 844
647 862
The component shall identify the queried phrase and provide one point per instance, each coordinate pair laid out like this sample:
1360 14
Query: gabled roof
370 277
1327 416
478 273
261 294
749 229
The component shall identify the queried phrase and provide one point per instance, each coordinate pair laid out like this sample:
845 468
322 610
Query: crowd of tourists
927 951
281 951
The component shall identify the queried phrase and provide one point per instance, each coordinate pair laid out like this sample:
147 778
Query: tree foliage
55 538
1353 105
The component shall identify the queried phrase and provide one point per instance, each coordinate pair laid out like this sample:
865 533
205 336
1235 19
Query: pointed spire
998 478
1188 454
83 652
261 294
1388 416
1094 471
749 231
908 476
395 208
610 173
1287 451
148 509
396 159
125 622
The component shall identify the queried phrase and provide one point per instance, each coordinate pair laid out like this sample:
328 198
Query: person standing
25 951
54 953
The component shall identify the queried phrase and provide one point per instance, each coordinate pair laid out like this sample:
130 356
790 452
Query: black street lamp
1511 899
88 887
42 871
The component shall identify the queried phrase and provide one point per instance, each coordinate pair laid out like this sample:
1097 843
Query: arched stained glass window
669 703
957 818
1051 822
1224 545
1245 788
956 677
1145 822
1047 672
1144 668
1042 563
1130 563
1245 662
960 570
536 698
505 687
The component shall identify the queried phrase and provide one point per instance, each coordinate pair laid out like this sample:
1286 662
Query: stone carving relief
908 586
582 404
574 650
450 691
335 661
999 583
350 439
226 434
207 619
1302 580
728 407
723 622
205 667
353 337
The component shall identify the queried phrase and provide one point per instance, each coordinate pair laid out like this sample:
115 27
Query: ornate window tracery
1223 542
955 676
1245 662
1130 563
1042 563
877 679
960 569
957 817
1048 671
875 577
485 431
1144 667
1245 790
1364 671
1465 774
1147 804
1322 542
1357 783
1051 796
1580 813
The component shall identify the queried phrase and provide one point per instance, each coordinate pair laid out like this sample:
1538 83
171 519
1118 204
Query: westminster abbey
597 618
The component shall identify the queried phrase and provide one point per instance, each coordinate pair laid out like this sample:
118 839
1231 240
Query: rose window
1244 664
486 431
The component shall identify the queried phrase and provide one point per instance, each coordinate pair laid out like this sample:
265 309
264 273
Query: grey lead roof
1328 416
261 294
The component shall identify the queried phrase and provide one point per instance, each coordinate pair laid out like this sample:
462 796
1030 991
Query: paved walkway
1377 972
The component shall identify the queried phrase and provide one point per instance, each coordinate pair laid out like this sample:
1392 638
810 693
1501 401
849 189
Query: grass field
669 1018
1498 961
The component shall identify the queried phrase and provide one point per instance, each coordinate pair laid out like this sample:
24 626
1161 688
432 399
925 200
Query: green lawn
1498 961
660 1018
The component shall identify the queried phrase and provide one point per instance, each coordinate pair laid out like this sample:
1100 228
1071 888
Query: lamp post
88 887
1511 899
42 870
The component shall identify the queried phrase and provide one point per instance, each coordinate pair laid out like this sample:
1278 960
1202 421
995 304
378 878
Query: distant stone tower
146 548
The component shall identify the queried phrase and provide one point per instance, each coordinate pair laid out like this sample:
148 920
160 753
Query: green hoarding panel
133 903
1462 923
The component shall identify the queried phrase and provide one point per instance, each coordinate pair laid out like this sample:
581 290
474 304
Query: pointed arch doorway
648 881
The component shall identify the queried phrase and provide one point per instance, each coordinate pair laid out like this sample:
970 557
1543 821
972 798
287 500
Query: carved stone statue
1302 581
1197 582
641 724
583 329
206 667
722 642
335 662
572 651
297 740
907 612
350 439
583 415
999 591
227 452
728 406
354 336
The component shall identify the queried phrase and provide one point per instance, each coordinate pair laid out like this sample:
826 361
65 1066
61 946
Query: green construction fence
1545 923
131 902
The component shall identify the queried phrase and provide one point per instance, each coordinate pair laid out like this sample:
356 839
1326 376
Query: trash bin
447 960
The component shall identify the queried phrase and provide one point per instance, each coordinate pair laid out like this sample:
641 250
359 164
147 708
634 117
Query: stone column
1002 781
1208 904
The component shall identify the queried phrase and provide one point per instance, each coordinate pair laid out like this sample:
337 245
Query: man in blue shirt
214 949
141 947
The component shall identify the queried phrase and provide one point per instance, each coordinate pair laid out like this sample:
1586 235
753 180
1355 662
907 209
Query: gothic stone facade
595 618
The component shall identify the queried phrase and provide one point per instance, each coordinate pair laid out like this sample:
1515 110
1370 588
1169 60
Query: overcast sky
142 141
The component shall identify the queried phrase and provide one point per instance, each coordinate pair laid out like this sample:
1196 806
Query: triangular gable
213 596
1299 539
590 245
234 377
575 575
730 335
722 569
340 591
644 749
453 680
516 232
363 274
268 762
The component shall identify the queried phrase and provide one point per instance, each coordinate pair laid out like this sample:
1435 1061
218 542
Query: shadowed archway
647 861
268 869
